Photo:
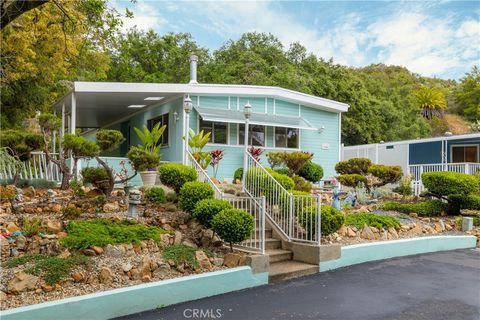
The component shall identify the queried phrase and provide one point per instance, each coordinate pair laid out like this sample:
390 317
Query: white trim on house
463 145
212 89
424 140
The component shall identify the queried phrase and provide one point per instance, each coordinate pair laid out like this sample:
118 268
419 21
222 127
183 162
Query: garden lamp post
187 107
247 112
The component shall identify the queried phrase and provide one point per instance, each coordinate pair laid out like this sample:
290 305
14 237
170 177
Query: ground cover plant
372 220
424 208
181 255
100 232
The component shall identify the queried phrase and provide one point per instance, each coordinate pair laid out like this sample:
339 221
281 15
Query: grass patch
33 226
360 219
100 232
427 208
51 268
181 254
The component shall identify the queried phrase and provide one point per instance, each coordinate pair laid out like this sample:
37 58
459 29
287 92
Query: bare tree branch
11 9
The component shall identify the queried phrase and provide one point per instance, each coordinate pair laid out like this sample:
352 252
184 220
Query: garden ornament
19 195
351 199
134 199
51 195
336 199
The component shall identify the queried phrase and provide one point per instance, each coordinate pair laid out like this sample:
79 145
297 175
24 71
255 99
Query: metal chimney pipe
193 69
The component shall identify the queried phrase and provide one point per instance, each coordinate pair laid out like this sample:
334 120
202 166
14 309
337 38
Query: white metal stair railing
417 170
253 205
298 217
37 167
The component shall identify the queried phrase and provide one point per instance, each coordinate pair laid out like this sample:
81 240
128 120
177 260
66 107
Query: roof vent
448 134
193 69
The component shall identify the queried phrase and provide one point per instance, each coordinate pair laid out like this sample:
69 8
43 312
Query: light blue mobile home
281 119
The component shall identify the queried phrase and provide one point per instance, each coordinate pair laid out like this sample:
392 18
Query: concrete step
276 255
284 270
271 243
268 233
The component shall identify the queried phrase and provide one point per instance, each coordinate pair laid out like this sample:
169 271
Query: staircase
282 265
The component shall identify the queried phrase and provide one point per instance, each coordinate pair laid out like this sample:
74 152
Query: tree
431 101
468 94
11 9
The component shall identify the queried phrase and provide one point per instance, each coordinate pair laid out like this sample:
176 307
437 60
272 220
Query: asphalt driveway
434 286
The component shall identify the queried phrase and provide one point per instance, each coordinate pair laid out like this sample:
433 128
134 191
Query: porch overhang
235 116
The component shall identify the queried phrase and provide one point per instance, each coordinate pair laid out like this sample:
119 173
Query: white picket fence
37 167
417 170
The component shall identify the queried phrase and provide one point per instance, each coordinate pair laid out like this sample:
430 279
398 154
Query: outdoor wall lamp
175 117
187 104
321 129
247 110
187 107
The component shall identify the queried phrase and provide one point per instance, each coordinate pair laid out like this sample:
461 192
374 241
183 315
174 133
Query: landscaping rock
178 237
202 258
78 276
12 227
440 226
106 275
46 288
3 296
30 192
367 233
351 233
393 233
22 282
61 235
56 208
64 254
21 242
98 250
54 226
89 252
126 267
111 207
189 244
343 231
413 215
232 260
165 238
218 262
114 251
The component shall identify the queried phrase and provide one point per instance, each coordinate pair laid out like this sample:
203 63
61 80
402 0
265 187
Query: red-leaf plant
255 153
216 155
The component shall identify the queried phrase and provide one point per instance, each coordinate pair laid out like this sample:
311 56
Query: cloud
145 17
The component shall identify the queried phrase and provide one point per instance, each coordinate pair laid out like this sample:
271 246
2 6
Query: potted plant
145 158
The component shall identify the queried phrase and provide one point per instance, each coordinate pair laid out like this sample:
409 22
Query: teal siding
284 108
212 102
269 138
233 133
258 104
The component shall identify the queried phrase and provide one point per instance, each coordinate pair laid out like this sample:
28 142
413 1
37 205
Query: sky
431 38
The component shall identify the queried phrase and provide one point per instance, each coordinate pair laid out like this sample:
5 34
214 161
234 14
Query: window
256 135
286 137
163 119
465 153
219 131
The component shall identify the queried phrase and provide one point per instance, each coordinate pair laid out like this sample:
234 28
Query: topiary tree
362 170
233 226
19 145
460 190
80 148
206 209
331 220
294 161
312 172
175 175
192 192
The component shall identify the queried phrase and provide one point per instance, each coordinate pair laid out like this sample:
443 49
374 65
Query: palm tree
431 101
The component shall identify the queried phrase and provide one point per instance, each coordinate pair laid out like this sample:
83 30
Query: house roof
424 140
97 102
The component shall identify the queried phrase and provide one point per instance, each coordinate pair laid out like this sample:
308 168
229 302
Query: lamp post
247 112
187 107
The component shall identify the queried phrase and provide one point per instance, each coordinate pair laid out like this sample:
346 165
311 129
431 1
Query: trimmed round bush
175 175
352 180
331 220
427 208
353 166
237 175
447 183
156 195
312 172
94 174
387 174
206 209
233 225
301 184
191 193
283 179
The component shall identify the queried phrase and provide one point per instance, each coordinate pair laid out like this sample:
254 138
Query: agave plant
150 138
431 101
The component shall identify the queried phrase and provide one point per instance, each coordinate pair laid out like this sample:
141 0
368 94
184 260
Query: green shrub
424 208
404 188
33 226
233 225
312 172
372 220
77 188
25 183
331 220
192 192
206 209
109 140
51 268
276 159
301 184
238 175
386 174
100 232
155 195
353 166
175 175
286 182
458 202
71 212
94 175
99 200
447 183
284 171
181 255
352 180
142 160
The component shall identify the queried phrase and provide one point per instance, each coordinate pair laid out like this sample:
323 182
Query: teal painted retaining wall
365 252
124 301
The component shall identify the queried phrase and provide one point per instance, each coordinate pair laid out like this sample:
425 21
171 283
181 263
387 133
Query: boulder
54 226
114 251
178 237
46 288
78 276
111 207
126 267
165 238
62 234
351 233
203 259
30 192
342 232
232 260
189 243
56 208
393 233
98 250
21 242
4 248
22 282
439 226
367 233
89 252
105 275
3 296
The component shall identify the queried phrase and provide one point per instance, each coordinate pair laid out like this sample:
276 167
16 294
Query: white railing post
319 218
290 218
262 217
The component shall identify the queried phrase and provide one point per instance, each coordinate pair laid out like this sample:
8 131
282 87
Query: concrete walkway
444 285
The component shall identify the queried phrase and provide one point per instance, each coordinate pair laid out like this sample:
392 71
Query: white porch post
247 112
73 114
62 129
187 108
